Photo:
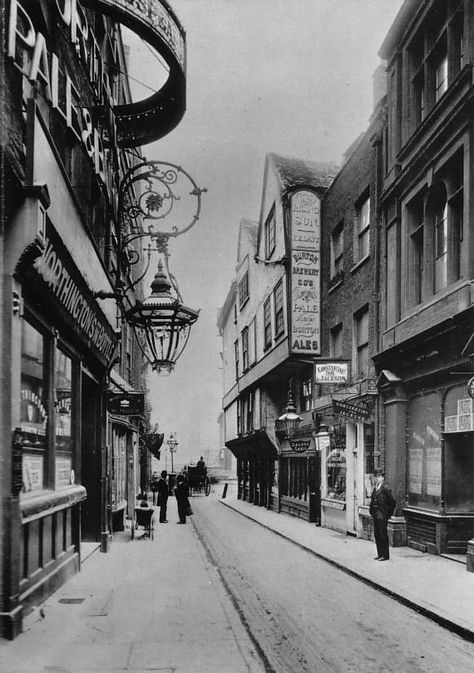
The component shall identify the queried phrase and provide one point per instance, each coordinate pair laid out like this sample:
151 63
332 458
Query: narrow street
306 615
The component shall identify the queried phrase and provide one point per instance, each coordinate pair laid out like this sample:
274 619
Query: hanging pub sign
356 412
126 404
305 293
300 445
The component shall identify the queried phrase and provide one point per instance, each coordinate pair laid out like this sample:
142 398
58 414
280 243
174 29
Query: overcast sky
292 77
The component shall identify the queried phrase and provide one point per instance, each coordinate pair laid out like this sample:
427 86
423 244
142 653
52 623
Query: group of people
160 489
382 504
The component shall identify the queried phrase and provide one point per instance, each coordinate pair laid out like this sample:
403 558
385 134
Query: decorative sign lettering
305 274
300 445
357 412
126 404
17 462
135 123
332 372
56 268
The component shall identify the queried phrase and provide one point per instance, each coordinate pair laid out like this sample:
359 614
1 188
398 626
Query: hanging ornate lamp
162 322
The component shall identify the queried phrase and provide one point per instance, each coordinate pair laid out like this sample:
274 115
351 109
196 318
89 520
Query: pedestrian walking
163 492
382 505
182 492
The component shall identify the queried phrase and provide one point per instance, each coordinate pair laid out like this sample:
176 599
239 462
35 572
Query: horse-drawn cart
199 481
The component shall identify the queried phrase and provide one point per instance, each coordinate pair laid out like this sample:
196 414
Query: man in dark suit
163 493
382 506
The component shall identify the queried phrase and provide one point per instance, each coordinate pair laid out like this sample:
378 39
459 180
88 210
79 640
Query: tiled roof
299 171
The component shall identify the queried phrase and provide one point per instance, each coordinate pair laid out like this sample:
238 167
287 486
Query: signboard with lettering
136 123
71 296
300 445
356 412
331 372
305 274
126 404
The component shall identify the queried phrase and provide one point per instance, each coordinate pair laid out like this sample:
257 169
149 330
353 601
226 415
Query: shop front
347 463
256 456
300 477
440 469
60 344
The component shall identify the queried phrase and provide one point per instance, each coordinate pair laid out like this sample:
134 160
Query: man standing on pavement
382 505
163 493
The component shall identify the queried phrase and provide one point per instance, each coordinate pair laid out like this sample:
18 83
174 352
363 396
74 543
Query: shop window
47 373
34 407
424 450
369 459
267 323
245 413
278 305
63 418
336 471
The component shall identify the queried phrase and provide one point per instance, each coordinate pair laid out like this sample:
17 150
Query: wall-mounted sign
126 404
305 274
72 297
331 372
300 445
152 20
356 412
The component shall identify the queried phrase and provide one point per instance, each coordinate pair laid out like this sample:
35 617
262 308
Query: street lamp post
172 444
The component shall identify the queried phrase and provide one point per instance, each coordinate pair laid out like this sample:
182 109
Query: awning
254 445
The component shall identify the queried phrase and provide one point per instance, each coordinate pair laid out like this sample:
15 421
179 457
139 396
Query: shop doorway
90 459
314 479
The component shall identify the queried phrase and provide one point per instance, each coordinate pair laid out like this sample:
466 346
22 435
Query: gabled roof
292 172
249 229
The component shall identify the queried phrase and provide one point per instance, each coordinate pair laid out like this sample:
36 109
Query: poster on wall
305 273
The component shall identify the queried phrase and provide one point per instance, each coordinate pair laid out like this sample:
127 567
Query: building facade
69 467
424 362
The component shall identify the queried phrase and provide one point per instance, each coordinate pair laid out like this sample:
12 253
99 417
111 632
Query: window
253 342
243 289
307 393
362 229
335 341
245 409
415 216
434 220
236 355
267 323
47 373
337 250
34 407
270 233
335 485
278 303
435 57
245 349
362 343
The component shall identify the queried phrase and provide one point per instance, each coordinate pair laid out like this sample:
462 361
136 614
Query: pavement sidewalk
437 587
147 605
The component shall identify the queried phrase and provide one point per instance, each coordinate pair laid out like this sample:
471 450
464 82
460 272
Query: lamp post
322 438
172 444
289 421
